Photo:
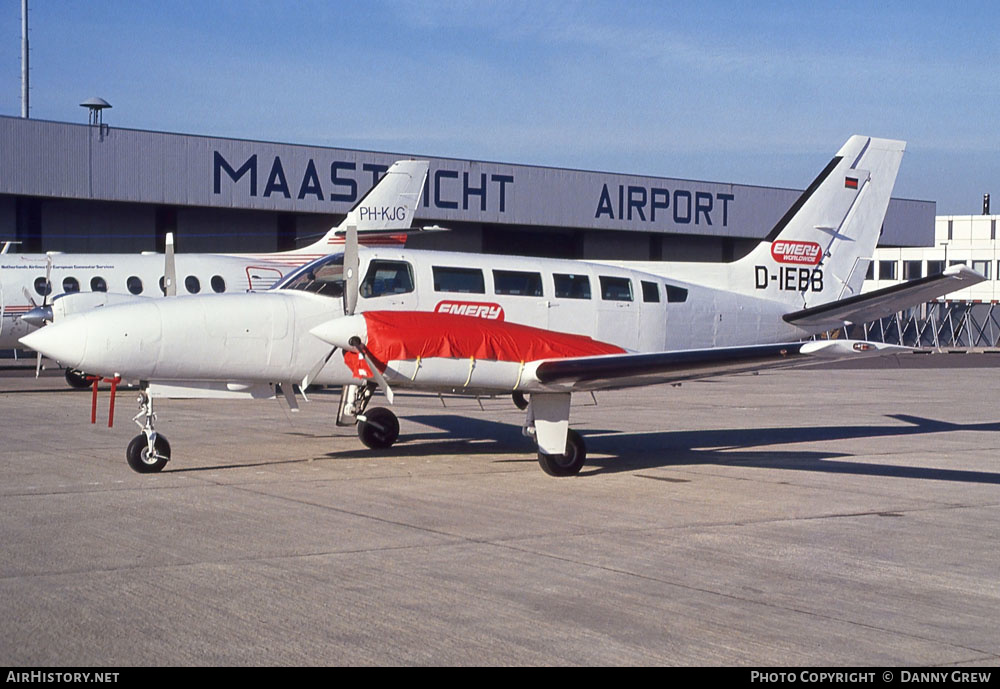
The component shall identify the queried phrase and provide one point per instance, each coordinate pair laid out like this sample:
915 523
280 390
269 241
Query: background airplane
537 329
37 284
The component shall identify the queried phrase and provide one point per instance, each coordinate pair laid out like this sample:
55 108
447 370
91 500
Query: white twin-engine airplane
33 287
536 329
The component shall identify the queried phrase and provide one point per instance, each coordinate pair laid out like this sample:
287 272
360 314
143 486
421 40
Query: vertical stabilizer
820 249
388 206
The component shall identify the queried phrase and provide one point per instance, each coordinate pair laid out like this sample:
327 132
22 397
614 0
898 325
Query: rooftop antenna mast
24 59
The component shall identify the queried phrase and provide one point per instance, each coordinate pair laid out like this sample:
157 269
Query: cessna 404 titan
386 318
102 279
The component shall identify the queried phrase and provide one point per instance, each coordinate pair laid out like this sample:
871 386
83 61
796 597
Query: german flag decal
851 182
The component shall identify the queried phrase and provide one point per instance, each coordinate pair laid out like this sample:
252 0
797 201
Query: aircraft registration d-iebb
538 329
30 284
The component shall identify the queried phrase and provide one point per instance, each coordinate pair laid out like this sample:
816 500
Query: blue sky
755 93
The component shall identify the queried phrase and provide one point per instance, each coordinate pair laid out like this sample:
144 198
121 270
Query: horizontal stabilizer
631 370
864 308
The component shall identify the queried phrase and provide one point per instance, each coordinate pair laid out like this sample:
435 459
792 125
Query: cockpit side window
387 277
320 277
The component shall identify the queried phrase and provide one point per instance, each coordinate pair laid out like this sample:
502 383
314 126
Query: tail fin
820 250
388 206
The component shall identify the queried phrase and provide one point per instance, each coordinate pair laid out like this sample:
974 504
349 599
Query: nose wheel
149 451
147 457
378 428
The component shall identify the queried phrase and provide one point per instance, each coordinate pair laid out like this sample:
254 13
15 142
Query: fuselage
264 336
23 278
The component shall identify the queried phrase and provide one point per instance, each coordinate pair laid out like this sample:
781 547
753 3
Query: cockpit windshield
323 276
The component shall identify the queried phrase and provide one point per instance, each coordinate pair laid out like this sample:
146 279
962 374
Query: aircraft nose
64 342
38 316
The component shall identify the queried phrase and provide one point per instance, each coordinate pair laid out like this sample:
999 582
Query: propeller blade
169 268
351 265
38 364
27 295
289 393
376 374
48 279
314 371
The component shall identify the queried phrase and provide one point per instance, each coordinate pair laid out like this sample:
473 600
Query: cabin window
98 284
676 294
650 292
43 287
192 284
218 284
616 289
517 283
466 280
71 285
387 277
134 284
572 286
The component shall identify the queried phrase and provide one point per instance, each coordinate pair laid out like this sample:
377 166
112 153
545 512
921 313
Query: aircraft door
261 278
617 312
572 310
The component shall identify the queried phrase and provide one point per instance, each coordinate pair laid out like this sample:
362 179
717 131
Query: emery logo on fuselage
493 312
798 253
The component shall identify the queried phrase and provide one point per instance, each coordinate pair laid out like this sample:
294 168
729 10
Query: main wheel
77 379
140 460
568 464
380 429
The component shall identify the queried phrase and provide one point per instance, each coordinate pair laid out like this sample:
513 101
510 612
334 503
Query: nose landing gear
149 451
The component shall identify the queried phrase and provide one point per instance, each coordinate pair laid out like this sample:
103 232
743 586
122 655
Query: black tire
568 464
77 379
138 457
519 400
380 429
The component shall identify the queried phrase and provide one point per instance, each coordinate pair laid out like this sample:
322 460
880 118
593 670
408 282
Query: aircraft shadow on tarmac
615 451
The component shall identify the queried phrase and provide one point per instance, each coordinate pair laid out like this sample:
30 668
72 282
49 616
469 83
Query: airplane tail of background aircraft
820 250
386 209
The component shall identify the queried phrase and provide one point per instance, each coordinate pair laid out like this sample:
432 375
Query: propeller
351 282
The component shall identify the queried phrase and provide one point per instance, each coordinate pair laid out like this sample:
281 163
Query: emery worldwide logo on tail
796 253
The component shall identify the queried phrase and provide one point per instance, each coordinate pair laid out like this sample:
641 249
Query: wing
871 306
632 370
449 352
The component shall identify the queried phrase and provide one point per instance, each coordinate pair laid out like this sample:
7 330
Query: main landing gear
547 421
149 451
570 462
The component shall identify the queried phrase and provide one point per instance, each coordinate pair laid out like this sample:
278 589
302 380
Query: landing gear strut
149 451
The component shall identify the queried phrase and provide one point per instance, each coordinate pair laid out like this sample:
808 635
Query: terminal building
99 188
